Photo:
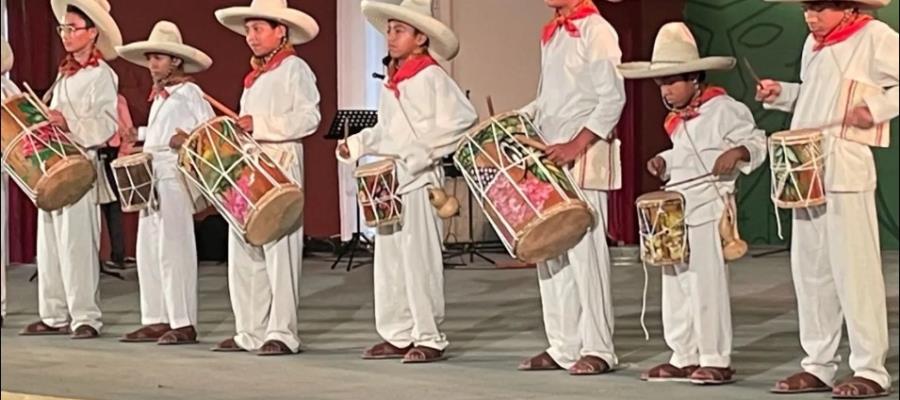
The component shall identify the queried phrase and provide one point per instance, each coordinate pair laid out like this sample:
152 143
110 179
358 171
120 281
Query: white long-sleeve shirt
87 100
284 104
869 56
580 85
420 127
7 88
184 109
723 124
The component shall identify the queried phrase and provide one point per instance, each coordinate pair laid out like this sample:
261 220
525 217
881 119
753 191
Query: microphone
378 76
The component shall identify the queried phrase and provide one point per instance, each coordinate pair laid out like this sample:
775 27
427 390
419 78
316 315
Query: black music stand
352 122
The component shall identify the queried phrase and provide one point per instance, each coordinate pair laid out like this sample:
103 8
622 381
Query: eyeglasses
65 30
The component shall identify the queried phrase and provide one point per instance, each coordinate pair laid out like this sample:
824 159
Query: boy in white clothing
421 115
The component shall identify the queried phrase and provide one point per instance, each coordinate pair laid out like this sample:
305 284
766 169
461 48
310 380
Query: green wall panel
771 36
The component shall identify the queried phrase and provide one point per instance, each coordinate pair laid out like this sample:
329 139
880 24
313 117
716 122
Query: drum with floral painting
377 194
535 207
42 159
259 200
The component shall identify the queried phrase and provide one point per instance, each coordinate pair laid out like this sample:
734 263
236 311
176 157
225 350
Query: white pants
696 307
68 262
167 258
576 296
265 290
837 271
409 277
4 238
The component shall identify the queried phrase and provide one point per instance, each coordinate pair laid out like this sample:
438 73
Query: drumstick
490 105
682 182
111 116
524 139
49 93
346 129
752 72
221 107
38 103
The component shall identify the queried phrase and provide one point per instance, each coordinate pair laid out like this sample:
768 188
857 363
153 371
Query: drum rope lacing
31 137
504 170
237 143
643 221
788 171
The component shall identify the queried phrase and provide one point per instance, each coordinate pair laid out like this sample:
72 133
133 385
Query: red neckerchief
261 65
692 111
412 66
584 10
842 32
70 66
159 88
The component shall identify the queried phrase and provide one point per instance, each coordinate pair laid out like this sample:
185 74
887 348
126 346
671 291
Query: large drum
251 191
536 209
46 164
377 193
798 168
663 233
134 179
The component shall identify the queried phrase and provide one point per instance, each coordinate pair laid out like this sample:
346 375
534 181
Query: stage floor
493 322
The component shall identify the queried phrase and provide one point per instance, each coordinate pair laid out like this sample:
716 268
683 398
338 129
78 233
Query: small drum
134 179
536 209
46 164
662 230
254 195
377 193
798 168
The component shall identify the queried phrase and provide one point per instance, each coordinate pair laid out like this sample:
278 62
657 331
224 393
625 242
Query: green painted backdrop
771 36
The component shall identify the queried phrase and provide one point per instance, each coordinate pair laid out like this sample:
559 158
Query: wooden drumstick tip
490 106
346 128
39 103
221 107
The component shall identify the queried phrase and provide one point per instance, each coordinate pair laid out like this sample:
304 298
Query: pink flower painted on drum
512 206
42 137
235 199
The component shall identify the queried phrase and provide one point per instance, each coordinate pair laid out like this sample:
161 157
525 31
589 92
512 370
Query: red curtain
640 128
622 220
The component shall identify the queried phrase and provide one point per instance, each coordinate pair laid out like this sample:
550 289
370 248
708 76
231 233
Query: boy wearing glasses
84 98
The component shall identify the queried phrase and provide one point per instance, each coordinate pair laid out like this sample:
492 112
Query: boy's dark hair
700 76
272 23
88 23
